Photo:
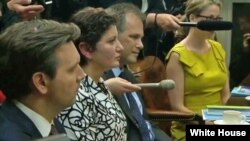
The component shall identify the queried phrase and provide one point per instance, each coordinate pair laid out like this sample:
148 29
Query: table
241 101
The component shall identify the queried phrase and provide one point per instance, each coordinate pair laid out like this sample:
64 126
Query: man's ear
40 82
85 50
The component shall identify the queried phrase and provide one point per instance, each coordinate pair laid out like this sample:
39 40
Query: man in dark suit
130 33
39 75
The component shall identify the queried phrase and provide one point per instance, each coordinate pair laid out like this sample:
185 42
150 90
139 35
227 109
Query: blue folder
241 91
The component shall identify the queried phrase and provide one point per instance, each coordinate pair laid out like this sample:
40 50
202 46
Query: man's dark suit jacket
133 130
16 126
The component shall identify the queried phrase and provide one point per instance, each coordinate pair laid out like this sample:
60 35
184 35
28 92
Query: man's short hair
28 47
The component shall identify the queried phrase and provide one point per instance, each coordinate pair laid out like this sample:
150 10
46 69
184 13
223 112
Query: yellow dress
205 75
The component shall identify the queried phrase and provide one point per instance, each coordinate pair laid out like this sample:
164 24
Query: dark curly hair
93 22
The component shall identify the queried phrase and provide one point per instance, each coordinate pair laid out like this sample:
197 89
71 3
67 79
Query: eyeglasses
210 18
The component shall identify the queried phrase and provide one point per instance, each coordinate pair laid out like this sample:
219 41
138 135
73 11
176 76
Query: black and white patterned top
95 116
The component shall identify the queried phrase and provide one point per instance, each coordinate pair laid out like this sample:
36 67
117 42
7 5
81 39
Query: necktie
53 130
137 115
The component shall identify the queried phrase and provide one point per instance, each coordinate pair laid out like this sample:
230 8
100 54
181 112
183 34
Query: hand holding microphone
164 21
164 84
119 86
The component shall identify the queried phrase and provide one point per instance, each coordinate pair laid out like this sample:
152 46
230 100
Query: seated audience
160 18
158 21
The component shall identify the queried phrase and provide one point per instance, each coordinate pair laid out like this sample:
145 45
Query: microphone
209 25
164 84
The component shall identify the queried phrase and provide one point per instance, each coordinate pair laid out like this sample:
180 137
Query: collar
40 122
117 71
144 7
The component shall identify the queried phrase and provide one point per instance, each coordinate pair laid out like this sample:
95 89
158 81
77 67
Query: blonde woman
198 66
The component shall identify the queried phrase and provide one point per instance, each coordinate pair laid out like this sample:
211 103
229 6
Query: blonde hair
197 6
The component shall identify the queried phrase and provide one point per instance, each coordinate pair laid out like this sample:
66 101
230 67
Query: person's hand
120 86
24 9
246 42
167 22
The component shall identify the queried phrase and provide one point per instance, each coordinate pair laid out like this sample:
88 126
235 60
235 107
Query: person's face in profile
64 86
131 39
210 13
108 50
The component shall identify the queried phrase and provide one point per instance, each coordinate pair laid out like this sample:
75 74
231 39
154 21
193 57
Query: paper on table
207 116
220 111
227 107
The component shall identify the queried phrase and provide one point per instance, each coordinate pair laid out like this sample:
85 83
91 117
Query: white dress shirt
40 122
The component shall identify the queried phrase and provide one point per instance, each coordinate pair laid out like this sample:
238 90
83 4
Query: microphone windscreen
214 25
167 84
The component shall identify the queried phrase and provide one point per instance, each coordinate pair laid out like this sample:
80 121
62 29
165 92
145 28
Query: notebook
241 91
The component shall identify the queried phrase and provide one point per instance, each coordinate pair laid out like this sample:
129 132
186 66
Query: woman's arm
174 70
225 93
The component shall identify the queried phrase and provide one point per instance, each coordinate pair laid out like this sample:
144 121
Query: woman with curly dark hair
95 116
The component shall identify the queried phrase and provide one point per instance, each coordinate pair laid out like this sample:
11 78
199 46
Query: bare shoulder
174 57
